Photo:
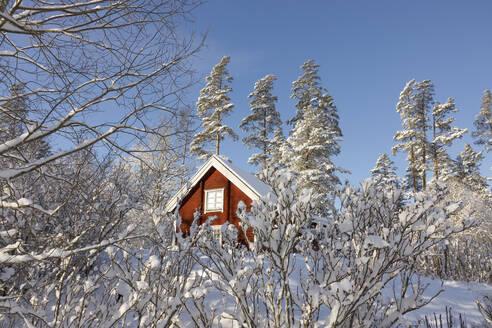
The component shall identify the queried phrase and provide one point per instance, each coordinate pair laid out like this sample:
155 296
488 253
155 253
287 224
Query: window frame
209 191
217 232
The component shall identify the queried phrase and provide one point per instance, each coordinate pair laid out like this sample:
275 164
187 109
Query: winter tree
466 168
158 172
262 122
407 137
385 170
314 140
213 107
306 90
186 130
483 123
60 211
277 146
416 105
443 134
14 122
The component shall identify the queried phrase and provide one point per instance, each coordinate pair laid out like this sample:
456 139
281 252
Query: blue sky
367 50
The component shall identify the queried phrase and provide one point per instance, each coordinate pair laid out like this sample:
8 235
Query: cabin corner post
202 196
228 190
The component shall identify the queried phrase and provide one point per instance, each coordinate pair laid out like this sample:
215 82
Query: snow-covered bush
466 256
306 271
60 209
368 243
255 280
73 203
124 286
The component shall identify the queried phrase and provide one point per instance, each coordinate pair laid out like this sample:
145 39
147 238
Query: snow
375 241
256 184
153 262
458 295
6 273
8 233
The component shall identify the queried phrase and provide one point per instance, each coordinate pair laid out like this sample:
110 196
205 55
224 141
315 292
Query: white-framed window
217 232
214 200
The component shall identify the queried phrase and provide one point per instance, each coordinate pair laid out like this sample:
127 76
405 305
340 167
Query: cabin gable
195 201
223 181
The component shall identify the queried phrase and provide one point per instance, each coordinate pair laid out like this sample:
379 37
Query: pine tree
414 106
277 145
443 135
262 122
213 106
424 99
313 142
483 123
385 170
307 90
466 168
407 137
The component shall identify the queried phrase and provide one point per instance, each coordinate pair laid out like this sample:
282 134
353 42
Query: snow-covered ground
458 295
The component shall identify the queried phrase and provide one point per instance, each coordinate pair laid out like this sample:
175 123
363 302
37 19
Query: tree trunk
424 149
218 137
264 138
436 170
218 143
412 163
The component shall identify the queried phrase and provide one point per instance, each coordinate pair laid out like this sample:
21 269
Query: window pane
214 200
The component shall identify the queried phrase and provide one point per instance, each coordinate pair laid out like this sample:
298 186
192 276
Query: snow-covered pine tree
483 123
262 122
213 106
385 170
407 136
414 106
424 99
443 135
277 145
306 89
466 168
313 142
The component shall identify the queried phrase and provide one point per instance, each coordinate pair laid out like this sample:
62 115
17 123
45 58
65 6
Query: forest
96 135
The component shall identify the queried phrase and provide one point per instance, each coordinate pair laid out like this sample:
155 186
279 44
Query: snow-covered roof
253 187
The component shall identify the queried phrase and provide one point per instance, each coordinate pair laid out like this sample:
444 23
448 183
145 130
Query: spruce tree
314 141
443 136
277 145
213 107
385 170
466 168
307 90
262 122
483 123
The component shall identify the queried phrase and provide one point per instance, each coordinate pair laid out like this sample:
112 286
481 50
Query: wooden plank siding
194 201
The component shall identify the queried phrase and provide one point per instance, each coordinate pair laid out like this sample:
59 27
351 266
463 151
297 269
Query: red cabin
215 191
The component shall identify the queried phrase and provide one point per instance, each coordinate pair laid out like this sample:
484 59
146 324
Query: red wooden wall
193 201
